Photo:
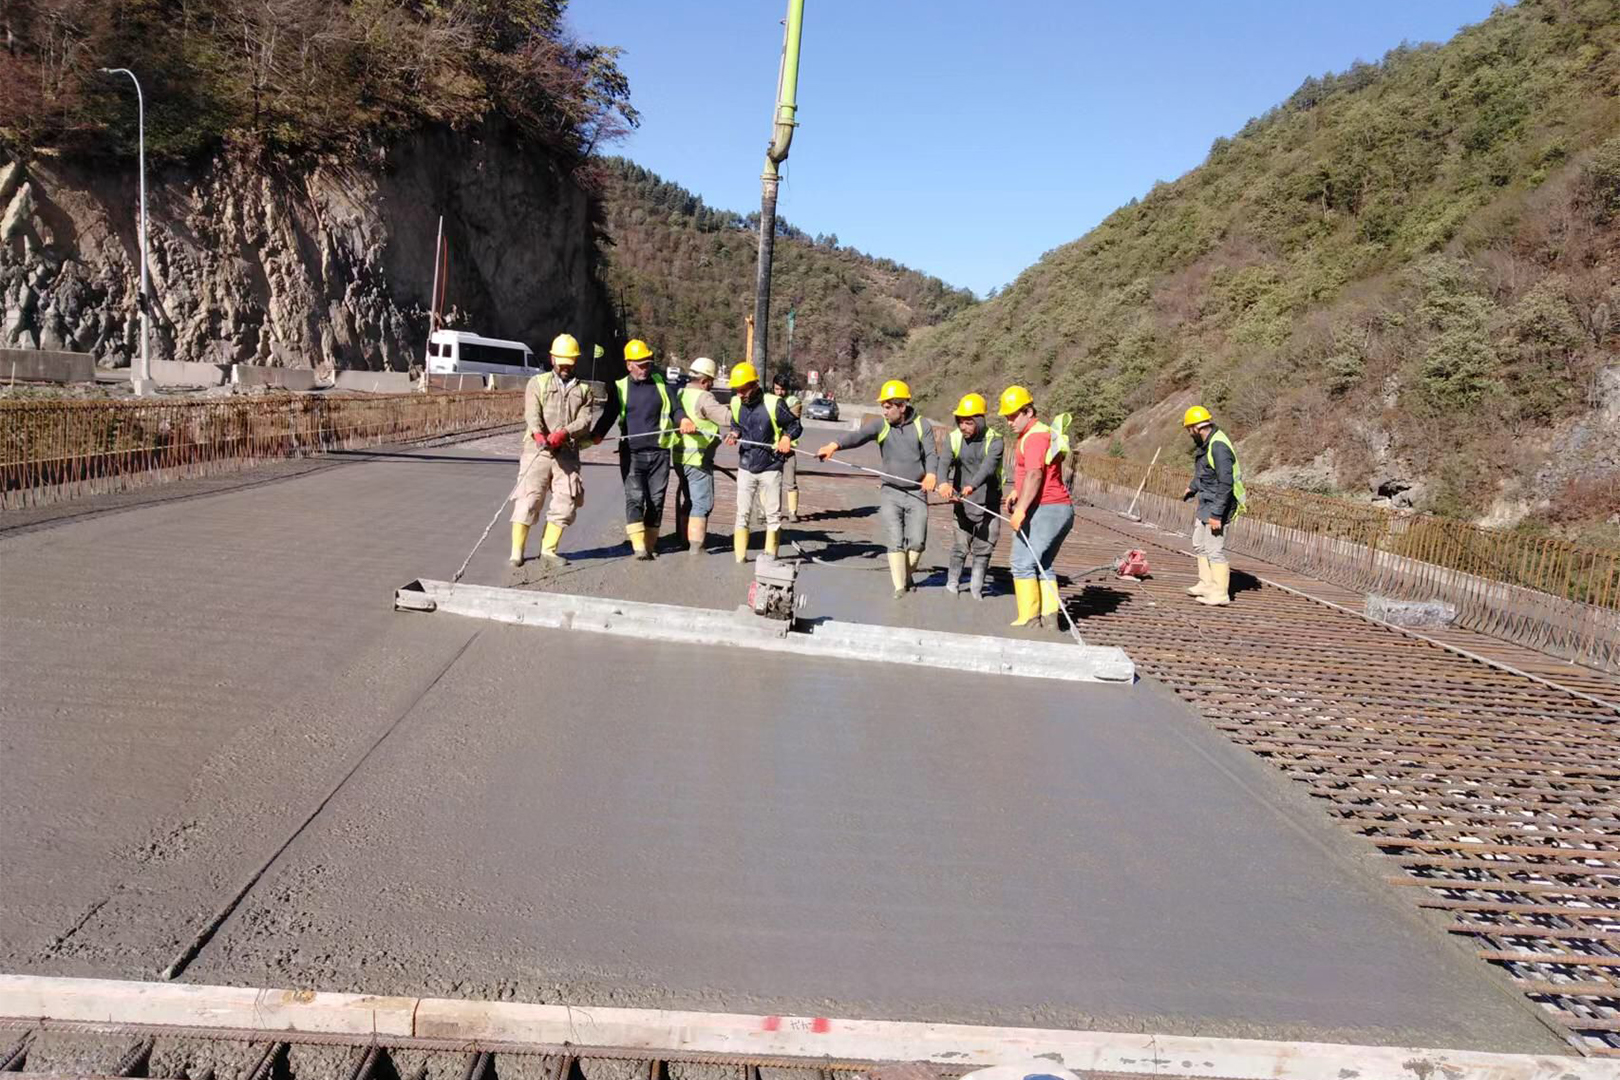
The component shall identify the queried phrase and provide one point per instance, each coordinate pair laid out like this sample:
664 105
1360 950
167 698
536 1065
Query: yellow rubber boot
549 542
637 532
520 537
1051 602
697 533
1205 579
739 544
773 538
898 572
793 506
1220 591
1027 591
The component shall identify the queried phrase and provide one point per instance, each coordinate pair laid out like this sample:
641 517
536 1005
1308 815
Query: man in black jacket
651 421
973 477
763 427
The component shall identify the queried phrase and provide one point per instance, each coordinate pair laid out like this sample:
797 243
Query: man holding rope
906 444
557 417
651 420
1040 501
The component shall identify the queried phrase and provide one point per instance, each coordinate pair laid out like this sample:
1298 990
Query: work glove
827 451
1188 494
1214 524
784 445
556 439
686 427
946 492
539 438
731 438
1017 519
929 482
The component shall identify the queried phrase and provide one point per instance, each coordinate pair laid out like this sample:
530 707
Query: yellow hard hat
894 390
743 374
1195 415
1014 398
971 405
564 347
637 350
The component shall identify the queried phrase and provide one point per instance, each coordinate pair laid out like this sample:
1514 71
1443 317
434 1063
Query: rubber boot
548 544
898 572
1027 591
1205 578
739 544
953 574
683 530
1220 593
912 559
1051 602
520 537
976 585
772 540
637 532
793 506
697 534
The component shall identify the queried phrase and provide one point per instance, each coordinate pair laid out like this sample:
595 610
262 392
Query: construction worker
651 420
906 444
1038 506
694 455
1217 483
782 387
557 420
973 479
759 418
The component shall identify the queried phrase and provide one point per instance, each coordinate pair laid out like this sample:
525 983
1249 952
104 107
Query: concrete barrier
509 382
46 365
455 382
375 382
183 373
278 377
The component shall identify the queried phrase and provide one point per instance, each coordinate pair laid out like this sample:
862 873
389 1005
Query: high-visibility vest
770 410
694 449
990 436
1057 445
884 434
669 437
1237 470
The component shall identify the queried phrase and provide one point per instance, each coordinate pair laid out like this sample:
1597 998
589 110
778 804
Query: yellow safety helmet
1195 416
742 375
971 405
564 347
636 351
894 390
1014 398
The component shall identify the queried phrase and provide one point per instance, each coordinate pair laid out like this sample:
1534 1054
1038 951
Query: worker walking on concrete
1039 506
1217 484
782 387
759 418
973 479
906 444
651 420
694 454
557 419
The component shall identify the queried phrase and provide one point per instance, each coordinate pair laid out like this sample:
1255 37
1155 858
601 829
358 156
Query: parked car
821 408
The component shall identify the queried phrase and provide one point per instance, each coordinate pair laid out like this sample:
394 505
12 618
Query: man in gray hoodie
906 443
973 478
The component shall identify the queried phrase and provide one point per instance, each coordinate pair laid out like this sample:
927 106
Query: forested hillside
1405 278
683 272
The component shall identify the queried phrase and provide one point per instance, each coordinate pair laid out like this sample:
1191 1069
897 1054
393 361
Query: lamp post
143 380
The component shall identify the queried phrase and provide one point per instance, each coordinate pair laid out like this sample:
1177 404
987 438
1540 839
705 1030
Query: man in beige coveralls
557 419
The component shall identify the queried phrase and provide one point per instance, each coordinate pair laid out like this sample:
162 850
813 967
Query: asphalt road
560 817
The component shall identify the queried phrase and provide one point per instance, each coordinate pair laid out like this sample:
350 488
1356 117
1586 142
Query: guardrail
56 450
1547 593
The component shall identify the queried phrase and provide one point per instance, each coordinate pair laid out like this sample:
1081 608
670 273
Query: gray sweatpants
1210 545
904 515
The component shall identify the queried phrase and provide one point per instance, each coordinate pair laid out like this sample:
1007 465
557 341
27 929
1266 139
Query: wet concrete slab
557 817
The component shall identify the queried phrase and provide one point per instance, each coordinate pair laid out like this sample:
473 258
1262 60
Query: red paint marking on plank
772 1023
821 1025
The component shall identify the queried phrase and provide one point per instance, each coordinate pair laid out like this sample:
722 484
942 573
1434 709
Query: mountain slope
1407 276
683 273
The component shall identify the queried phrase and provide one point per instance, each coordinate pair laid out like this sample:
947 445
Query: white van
451 352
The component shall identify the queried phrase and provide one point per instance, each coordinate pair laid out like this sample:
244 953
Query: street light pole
142 381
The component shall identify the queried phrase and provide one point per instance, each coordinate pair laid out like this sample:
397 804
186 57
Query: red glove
539 438
556 439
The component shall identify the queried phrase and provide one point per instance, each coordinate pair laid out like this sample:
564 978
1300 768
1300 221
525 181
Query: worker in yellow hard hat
557 420
694 455
1217 484
763 429
651 421
906 444
1038 505
973 478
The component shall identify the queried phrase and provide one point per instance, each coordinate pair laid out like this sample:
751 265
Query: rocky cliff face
319 263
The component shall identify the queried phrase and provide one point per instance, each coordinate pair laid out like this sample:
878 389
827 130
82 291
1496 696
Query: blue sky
967 137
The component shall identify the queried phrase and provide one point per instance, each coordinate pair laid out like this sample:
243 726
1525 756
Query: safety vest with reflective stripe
694 449
990 436
1237 470
1057 445
884 434
770 410
669 437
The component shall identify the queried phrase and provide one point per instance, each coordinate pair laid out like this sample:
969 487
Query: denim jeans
1046 527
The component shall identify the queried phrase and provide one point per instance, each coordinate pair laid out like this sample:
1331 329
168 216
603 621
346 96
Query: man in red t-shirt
1040 501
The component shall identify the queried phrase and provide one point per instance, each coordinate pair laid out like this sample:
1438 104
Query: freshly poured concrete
563 817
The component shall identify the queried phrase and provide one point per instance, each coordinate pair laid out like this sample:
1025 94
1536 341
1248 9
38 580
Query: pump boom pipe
783 122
